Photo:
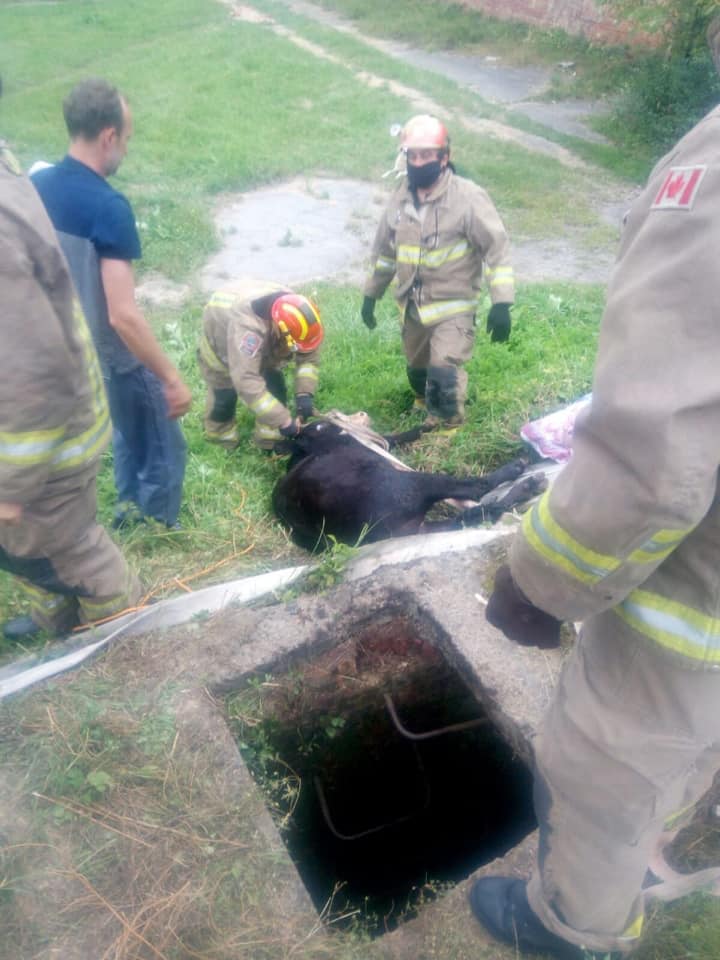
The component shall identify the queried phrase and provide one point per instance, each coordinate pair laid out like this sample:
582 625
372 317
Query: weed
290 240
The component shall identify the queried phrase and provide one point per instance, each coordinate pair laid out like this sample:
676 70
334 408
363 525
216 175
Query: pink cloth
551 435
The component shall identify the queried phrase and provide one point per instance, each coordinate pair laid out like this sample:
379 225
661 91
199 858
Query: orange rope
177 581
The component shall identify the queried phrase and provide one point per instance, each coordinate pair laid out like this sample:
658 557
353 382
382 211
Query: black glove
510 610
291 430
498 322
367 312
304 406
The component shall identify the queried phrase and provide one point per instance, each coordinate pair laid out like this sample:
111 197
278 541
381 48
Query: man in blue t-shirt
98 234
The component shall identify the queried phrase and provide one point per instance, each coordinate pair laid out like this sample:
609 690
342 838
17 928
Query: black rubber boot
20 628
442 385
224 404
417 378
501 906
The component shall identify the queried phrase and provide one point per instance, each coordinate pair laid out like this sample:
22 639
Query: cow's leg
519 493
508 471
414 493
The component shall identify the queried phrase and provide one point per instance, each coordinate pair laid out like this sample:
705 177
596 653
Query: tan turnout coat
238 346
437 254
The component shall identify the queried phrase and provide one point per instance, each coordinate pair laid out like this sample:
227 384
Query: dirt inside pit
383 771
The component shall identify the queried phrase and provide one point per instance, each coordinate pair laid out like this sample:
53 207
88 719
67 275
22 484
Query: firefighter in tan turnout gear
437 235
628 541
54 426
251 331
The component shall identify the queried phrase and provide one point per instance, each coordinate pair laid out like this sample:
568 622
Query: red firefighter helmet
424 132
298 320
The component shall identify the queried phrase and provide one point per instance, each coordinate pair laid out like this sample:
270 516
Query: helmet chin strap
290 343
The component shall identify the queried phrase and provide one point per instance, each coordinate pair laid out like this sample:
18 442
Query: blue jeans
149 450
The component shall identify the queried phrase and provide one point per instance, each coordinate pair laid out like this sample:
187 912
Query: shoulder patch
250 344
679 188
9 161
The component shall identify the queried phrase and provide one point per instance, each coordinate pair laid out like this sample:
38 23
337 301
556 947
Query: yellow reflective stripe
384 265
671 822
92 364
634 931
210 357
98 609
264 403
29 447
40 597
90 443
422 256
436 258
85 446
407 253
582 563
221 299
267 433
432 312
500 276
673 625
222 433
659 546
308 371
556 545
42 446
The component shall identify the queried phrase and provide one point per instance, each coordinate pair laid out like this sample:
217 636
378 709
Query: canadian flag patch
679 188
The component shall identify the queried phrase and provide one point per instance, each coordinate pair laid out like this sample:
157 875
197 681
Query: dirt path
317 228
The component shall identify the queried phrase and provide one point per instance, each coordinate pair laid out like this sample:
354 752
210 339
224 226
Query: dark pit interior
383 772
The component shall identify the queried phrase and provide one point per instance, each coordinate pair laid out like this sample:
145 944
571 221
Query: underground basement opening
383 771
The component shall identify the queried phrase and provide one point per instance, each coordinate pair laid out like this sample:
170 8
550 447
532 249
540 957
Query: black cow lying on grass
337 486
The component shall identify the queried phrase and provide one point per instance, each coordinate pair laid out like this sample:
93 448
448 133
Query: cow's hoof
516 467
531 486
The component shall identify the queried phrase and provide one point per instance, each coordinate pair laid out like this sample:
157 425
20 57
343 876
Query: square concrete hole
383 771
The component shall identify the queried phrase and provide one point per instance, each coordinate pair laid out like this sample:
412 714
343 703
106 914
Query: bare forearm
11 512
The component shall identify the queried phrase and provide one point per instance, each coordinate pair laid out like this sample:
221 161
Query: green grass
223 106
226 512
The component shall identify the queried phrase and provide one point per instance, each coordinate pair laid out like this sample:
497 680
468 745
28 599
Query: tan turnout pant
66 563
630 739
223 430
445 344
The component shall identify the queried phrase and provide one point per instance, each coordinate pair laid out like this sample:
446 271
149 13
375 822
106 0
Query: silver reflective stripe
673 625
433 312
34 448
220 299
500 276
308 371
438 258
80 448
267 433
264 403
549 539
384 265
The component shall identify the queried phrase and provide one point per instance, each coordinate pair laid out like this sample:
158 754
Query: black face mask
423 176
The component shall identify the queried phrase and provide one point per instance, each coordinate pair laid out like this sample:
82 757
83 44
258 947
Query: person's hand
498 322
291 429
304 406
11 512
510 610
367 312
177 397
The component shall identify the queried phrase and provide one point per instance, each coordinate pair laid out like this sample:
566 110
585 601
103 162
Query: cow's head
322 436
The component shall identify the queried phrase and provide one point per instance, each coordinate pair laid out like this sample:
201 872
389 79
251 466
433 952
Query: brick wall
582 17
